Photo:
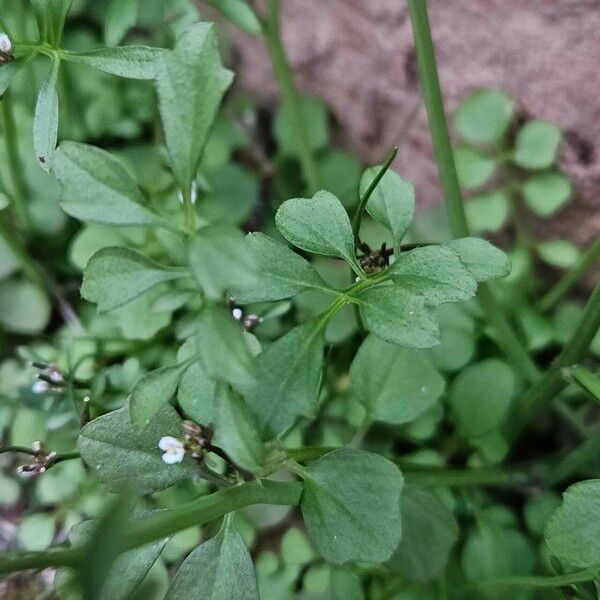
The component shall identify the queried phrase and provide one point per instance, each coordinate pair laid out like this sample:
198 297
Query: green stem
587 380
571 277
29 267
552 382
166 523
432 95
585 454
538 581
356 221
289 94
19 195
189 214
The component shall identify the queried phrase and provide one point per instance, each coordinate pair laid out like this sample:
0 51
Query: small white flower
40 387
173 449
5 43
237 313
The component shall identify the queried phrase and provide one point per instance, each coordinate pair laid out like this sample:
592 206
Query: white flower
5 43
173 448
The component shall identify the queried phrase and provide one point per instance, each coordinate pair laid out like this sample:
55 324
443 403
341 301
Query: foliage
220 382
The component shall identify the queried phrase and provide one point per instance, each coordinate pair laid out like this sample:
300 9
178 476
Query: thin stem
189 215
587 452
356 221
538 581
587 380
166 523
432 95
552 382
482 476
14 162
289 93
571 277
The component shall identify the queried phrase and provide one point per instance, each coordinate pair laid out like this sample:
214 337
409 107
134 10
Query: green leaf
458 338
124 576
481 395
97 188
487 211
546 193
392 203
434 272
191 83
314 119
536 146
131 62
120 17
219 569
239 13
429 530
153 391
9 70
282 273
36 532
233 425
51 16
351 506
398 316
319 224
115 276
492 551
484 117
340 172
223 349
24 308
395 385
288 379
473 167
483 260
559 253
122 457
538 511
45 123
573 533
220 259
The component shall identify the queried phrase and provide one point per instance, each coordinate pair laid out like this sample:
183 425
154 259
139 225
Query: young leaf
392 203
487 211
546 193
429 530
121 457
219 569
115 276
282 273
351 506
434 272
121 16
153 391
45 122
98 188
473 167
573 533
233 425
239 13
319 224
24 308
477 406
394 384
398 316
191 83
559 253
51 16
223 349
483 260
131 62
484 117
288 378
219 259
536 146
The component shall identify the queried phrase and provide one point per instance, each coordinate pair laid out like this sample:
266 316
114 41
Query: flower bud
5 43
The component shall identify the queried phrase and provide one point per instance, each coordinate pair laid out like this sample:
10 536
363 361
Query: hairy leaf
45 122
483 260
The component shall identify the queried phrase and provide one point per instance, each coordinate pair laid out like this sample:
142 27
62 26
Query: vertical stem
557 293
16 169
289 94
432 95
552 382
189 215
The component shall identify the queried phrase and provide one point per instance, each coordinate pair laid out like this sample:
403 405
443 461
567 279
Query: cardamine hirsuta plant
308 399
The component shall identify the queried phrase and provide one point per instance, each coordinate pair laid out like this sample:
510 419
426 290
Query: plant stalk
432 95
553 382
19 195
571 277
289 93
